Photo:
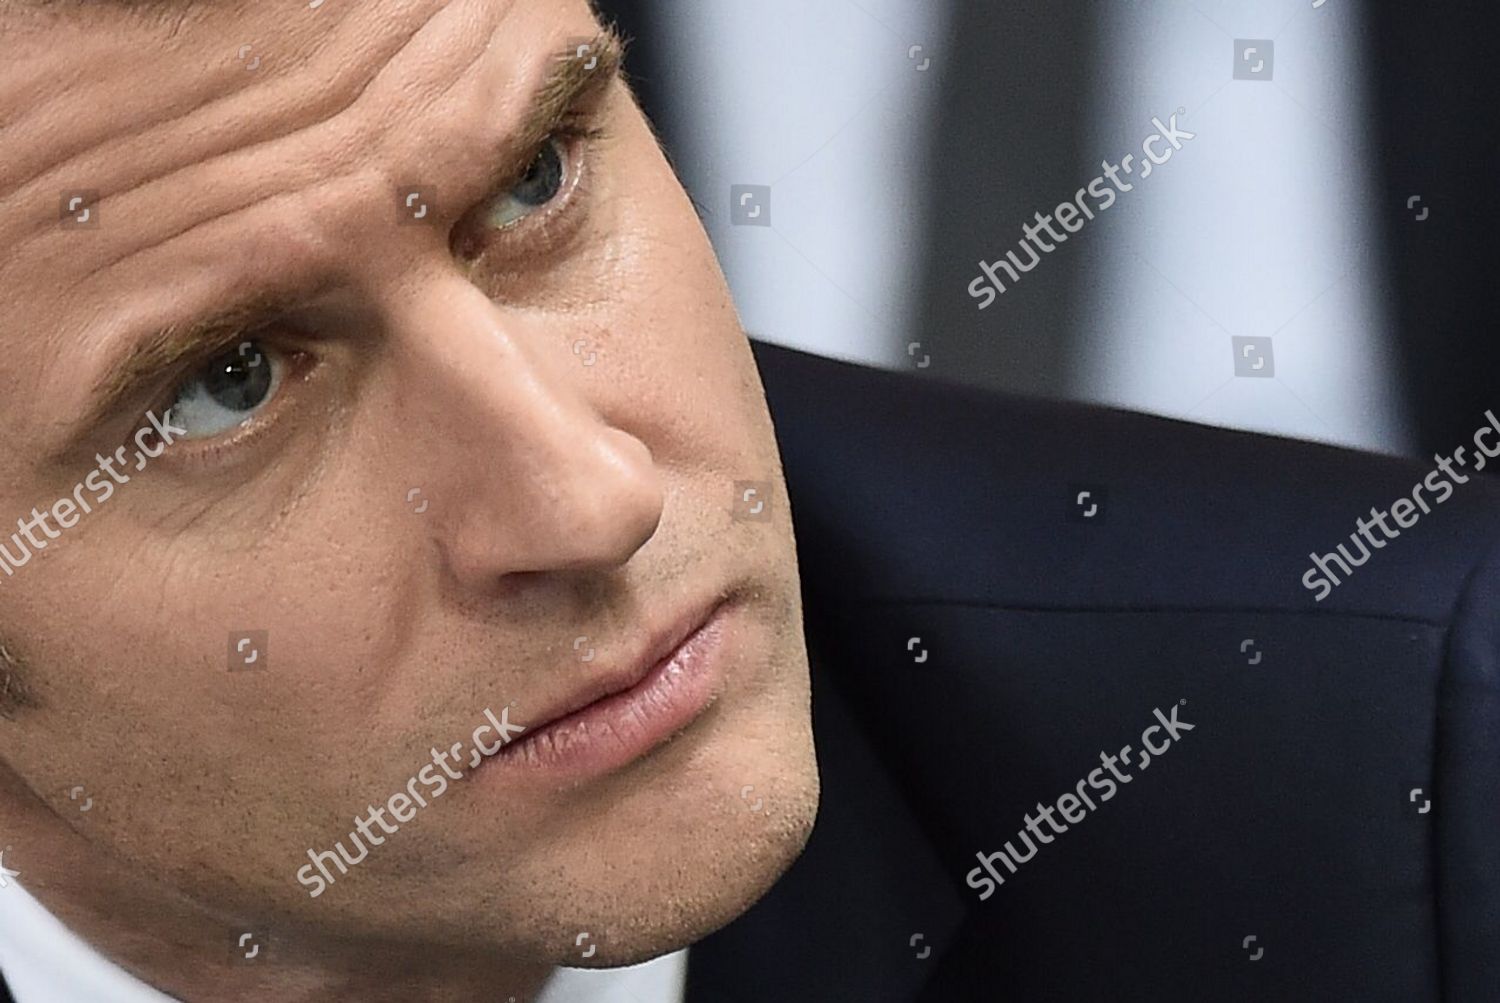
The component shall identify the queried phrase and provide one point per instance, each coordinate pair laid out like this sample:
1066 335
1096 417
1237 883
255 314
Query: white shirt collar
661 980
45 962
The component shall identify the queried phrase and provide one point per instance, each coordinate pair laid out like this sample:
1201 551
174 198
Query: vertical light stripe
1260 227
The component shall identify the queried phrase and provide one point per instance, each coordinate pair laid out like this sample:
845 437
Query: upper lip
628 673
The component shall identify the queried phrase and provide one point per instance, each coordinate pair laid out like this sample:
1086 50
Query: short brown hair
14 694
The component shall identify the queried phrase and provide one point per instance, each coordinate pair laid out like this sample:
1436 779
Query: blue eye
228 391
543 182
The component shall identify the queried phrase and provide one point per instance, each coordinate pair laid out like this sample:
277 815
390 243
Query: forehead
191 147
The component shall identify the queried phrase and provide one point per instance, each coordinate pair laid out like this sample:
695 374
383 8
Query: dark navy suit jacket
1288 814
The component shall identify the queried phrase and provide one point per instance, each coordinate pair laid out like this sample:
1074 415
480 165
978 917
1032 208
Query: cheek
181 651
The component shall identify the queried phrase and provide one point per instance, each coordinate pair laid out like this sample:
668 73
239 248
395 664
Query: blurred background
1314 262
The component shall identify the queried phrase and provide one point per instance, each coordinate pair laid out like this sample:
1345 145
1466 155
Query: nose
526 474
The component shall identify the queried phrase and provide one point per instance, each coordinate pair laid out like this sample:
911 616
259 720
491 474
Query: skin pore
548 356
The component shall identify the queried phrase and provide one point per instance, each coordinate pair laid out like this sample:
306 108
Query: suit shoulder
943 488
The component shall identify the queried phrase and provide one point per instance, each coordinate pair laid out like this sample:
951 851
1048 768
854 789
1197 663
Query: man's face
487 396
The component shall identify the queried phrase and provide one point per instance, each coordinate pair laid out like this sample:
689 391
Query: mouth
626 713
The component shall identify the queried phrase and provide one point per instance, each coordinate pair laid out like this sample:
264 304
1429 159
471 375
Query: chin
690 904
697 892
673 861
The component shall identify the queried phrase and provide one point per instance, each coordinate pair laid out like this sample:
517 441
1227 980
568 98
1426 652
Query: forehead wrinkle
330 102
148 12
60 90
369 90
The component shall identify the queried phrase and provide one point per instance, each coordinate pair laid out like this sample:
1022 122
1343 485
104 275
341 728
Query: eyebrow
571 80
568 82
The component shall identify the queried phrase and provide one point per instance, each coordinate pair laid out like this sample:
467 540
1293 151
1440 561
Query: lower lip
613 732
